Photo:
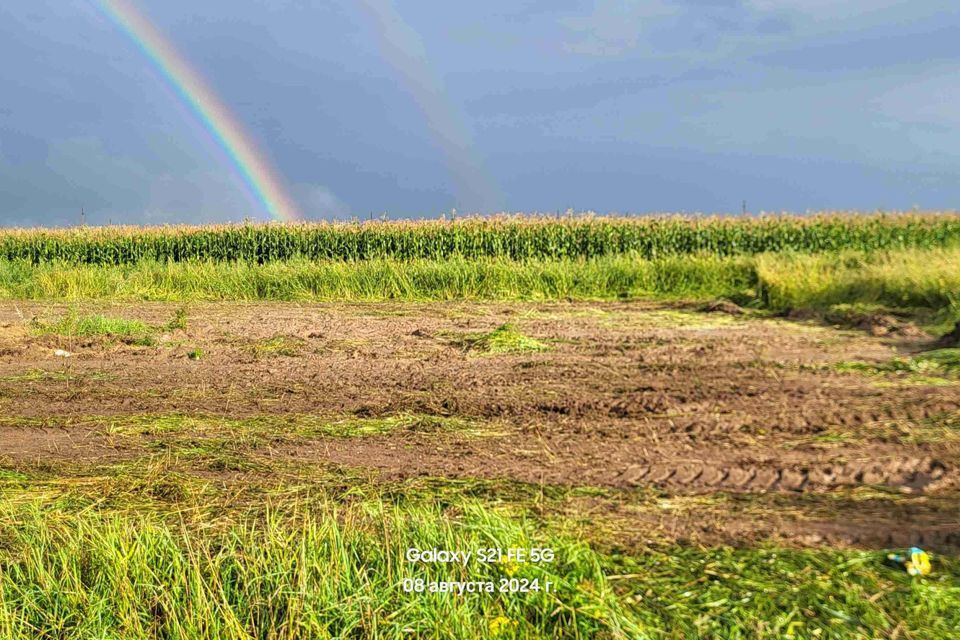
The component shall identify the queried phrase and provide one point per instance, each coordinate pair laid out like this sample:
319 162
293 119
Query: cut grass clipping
274 428
941 363
504 339
342 571
223 444
289 346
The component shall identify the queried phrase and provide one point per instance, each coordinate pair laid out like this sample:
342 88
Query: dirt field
691 426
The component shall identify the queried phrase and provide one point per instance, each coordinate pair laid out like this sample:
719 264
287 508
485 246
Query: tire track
909 475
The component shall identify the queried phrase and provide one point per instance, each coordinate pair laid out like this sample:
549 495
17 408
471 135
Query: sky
411 108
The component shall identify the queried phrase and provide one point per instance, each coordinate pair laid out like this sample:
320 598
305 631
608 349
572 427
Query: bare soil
628 396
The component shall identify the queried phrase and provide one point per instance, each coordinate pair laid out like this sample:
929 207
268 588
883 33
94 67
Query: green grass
176 542
40 375
74 325
179 321
44 375
94 325
504 339
408 422
457 278
144 549
939 364
337 570
900 280
924 282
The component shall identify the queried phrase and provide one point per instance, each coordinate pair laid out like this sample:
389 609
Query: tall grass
904 279
379 279
512 238
338 572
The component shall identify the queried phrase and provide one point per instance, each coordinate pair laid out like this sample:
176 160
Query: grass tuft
179 321
134 332
504 339
89 326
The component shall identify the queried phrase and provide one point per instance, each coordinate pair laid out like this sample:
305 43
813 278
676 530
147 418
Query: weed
95 325
134 332
179 321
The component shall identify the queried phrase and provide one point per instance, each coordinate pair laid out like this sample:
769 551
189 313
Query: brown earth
627 396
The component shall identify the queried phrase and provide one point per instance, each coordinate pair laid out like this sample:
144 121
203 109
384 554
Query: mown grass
938 430
943 364
504 339
305 425
83 562
218 443
41 375
151 548
337 570
289 346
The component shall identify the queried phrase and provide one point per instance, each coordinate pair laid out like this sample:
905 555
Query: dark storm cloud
667 104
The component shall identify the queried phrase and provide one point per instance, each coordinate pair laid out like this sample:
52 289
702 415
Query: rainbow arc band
254 168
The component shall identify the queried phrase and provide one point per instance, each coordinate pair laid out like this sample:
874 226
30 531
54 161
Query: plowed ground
748 418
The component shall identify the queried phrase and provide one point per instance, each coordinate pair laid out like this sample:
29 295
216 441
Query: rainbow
194 91
403 49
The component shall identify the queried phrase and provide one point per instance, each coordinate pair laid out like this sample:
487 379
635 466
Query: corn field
506 237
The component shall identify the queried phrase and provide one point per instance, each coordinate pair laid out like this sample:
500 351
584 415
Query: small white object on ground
60 353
